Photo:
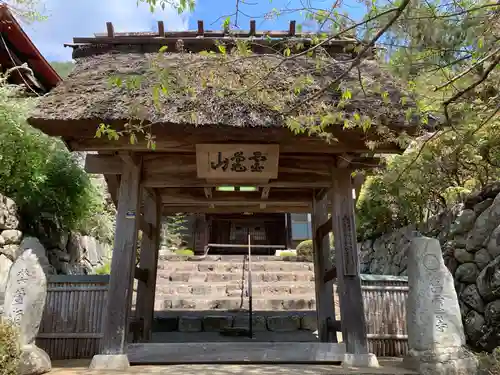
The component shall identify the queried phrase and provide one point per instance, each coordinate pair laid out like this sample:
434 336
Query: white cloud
70 18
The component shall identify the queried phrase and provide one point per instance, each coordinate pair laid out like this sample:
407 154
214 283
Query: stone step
235 289
297 302
166 276
294 321
234 267
259 336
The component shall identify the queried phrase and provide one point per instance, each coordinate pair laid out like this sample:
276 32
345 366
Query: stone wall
469 234
66 253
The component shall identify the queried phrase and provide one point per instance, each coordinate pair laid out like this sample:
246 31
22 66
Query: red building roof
16 48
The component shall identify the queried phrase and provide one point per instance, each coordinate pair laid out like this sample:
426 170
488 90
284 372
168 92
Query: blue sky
70 18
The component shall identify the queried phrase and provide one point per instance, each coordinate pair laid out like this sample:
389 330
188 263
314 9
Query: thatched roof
214 90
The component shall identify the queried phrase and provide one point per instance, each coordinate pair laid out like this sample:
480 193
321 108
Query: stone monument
436 336
24 303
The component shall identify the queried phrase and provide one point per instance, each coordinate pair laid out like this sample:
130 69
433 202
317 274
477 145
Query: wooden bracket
331 274
334 325
324 229
141 274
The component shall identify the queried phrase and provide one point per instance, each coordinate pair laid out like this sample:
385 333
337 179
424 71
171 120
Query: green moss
184 252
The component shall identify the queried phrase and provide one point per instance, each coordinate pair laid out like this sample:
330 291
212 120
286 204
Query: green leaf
226 23
163 49
287 52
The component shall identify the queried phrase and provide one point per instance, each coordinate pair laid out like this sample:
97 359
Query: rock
215 323
459 242
463 223
493 245
190 324
38 249
464 309
8 213
474 325
61 255
24 303
492 313
434 322
75 247
2 241
11 251
12 236
90 245
482 258
470 296
484 225
5 264
488 281
34 361
481 206
463 256
283 323
467 273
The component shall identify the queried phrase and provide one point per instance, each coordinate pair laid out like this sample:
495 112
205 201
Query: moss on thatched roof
219 89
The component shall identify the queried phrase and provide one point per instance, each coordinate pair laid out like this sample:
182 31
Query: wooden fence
72 322
384 298
71 325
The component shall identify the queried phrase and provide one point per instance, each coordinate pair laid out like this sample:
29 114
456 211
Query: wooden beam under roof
168 210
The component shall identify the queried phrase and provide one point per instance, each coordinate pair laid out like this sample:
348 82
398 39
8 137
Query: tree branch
358 58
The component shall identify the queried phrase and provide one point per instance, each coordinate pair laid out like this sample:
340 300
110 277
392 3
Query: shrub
10 352
184 252
52 191
489 364
305 249
287 254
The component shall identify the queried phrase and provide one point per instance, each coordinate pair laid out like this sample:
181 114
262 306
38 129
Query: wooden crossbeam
205 209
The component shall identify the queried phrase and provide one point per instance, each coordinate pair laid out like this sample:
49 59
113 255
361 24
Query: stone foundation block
309 323
166 324
190 324
360 360
259 323
283 323
118 362
214 323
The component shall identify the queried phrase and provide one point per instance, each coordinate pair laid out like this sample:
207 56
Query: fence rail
72 321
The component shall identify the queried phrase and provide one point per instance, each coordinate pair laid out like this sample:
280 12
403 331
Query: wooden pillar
201 237
288 230
119 302
325 306
347 264
148 264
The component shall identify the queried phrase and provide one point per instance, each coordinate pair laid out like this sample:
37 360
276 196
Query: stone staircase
204 295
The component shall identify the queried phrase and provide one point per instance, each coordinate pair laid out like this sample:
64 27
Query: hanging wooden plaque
237 163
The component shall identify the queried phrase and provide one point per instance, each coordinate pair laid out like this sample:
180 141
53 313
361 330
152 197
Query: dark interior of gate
228 142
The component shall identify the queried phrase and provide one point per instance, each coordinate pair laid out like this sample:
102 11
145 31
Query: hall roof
213 92
16 48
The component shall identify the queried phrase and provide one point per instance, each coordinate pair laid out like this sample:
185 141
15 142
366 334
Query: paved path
389 367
